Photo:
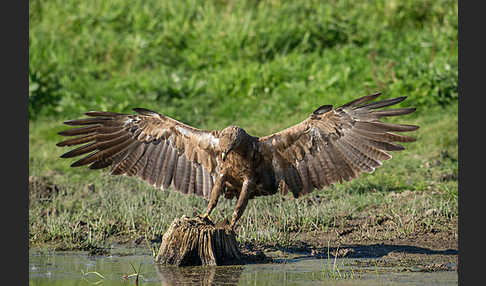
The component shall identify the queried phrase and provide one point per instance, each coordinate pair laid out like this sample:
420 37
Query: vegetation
263 65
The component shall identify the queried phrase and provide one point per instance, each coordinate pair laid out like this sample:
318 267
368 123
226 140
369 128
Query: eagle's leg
215 193
242 202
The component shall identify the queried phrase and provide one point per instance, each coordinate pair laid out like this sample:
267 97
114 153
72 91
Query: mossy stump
196 241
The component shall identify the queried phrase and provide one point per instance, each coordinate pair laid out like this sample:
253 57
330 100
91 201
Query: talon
205 217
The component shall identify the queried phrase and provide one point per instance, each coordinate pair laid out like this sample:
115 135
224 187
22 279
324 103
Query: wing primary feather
79 130
77 140
104 113
383 145
90 129
383 136
80 150
383 103
361 100
376 126
95 146
102 154
100 164
109 136
393 112
87 121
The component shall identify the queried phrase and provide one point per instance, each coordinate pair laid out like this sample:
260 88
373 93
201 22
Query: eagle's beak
225 153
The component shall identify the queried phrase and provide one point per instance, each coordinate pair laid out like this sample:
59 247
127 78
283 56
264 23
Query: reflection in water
70 269
199 275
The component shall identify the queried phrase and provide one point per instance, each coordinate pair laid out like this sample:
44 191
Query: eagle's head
231 139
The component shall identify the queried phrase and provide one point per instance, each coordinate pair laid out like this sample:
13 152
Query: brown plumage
331 145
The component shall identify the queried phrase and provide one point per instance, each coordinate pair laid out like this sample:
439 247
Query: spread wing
158 149
334 145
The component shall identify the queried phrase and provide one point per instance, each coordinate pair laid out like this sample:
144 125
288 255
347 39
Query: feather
356 158
139 164
377 126
104 113
329 171
157 174
361 145
77 140
144 111
304 175
383 136
314 172
341 167
192 178
87 121
199 180
146 172
393 112
170 167
107 152
100 164
323 109
179 171
360 100
80 130
95 146
383 103
185 175
293 180
129 159
207 184
80 150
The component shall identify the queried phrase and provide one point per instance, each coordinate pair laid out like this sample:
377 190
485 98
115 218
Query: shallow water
78 268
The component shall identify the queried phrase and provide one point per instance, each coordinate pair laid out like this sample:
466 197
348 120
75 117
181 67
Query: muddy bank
394 255
422 251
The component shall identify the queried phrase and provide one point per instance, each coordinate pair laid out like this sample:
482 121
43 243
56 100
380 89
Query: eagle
332 145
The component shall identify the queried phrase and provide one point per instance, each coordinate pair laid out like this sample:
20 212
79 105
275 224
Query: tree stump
195 241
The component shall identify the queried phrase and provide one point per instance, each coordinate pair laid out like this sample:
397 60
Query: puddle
78 268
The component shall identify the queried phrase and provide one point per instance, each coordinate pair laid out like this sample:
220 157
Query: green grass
263 65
